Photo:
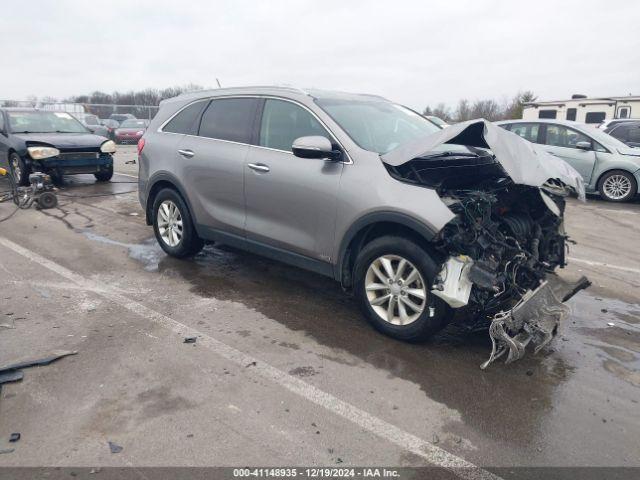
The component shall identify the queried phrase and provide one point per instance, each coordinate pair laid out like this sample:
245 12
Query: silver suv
416 221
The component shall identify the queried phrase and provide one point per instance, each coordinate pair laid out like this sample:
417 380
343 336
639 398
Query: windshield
376 125
133 124
44 122
602 137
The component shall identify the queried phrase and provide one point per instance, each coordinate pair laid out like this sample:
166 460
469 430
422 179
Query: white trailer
585 110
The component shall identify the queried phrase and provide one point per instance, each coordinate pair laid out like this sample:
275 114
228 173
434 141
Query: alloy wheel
169 220
616 187
15 167
395 289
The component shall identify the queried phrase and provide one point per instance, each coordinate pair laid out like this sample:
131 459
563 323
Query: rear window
186 122
229 119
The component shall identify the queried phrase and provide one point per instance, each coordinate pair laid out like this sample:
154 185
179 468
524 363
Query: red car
130 131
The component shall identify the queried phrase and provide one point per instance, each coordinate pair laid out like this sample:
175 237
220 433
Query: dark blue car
51 142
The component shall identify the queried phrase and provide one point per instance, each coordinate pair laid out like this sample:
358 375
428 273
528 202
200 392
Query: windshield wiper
447 153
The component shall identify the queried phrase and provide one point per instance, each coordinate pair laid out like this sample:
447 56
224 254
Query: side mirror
315 147
583 145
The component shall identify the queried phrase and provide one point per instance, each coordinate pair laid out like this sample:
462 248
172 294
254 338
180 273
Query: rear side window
528 131
283 122
229 119
186 121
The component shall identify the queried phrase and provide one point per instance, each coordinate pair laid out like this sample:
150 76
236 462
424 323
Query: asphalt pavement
284 369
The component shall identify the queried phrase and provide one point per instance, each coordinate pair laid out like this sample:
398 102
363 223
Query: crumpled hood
525 162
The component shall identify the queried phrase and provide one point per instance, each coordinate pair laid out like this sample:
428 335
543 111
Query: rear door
291 201
212 164
561 142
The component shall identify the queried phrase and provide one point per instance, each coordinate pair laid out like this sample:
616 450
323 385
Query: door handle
186 153
259 167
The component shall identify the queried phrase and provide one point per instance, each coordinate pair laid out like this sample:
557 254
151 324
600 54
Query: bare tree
489 109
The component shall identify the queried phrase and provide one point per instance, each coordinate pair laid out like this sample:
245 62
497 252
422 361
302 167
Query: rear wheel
617 186
19 170
173 225
393 280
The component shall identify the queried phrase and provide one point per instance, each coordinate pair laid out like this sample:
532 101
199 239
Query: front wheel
104 175
393 280
618 186
173 225
19 170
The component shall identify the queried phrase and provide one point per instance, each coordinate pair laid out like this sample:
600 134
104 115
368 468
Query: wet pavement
134 382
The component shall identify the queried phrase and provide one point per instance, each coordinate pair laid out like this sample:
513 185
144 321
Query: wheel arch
376 225
156 184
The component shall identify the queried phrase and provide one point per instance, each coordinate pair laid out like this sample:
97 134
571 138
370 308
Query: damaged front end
507 238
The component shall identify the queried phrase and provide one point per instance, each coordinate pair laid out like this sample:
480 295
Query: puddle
148 253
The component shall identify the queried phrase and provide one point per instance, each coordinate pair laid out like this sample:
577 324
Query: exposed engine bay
501 249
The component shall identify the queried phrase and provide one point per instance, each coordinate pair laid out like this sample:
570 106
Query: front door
561 142
290 201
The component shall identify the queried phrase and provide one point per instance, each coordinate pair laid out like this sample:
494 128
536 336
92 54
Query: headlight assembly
108 147
39 153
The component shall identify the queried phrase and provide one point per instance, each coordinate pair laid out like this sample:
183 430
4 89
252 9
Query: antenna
219 86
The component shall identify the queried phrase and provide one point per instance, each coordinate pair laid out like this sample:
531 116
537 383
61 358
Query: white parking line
431 453
126 175
600 264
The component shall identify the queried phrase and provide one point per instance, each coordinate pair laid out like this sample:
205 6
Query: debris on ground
114 447
611 324
252 364
11 376
7 450
14 437
38 362
190 339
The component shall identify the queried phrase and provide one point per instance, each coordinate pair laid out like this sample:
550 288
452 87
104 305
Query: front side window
186 122
377 125
528 131
28 121
283 122
561 136
229 119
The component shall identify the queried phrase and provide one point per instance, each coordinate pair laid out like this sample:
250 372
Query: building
583 109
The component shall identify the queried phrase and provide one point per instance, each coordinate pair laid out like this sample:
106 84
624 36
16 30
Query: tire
104 175
617 186
19 170
188 243
418 325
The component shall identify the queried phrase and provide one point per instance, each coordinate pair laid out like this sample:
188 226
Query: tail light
140 145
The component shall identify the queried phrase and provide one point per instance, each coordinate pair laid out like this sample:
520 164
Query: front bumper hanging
534 319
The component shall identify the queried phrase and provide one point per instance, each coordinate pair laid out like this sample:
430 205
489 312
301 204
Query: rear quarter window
186 121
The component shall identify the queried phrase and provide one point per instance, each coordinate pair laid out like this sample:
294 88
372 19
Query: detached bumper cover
534 319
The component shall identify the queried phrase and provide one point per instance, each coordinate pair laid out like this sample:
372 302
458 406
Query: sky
414 52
